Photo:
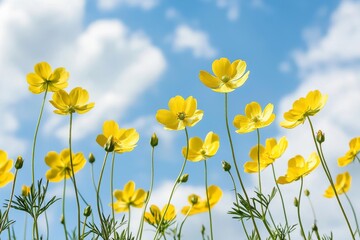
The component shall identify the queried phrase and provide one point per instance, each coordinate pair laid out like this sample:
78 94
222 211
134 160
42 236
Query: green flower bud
62 219
226 166
87 211
296 202
91 158
194 199
154 140
184 178
19 162
307 192
109 145
320 137
314 227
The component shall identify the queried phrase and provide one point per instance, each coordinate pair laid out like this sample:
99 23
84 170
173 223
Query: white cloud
171 13
187 38
231 6
143 4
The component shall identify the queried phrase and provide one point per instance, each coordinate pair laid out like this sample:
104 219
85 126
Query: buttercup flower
75 101
154 216
254 118
199 205
60 165
45 79
129 197
199 150
351 154
182 113
121 139
5 166
268 154
298 167
303 107
228 76
25 190
342 185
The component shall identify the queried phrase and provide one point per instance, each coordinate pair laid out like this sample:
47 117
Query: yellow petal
209 80
221 67
110 128
43 69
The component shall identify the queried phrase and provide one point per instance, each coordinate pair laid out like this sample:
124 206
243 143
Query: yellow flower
298 167
199 205
254 118
342 185
25 190
45 79
154 216
228 76
60 165
199 150
5 166
268 154
129 197
182 113
351 154
121 139
76 101
303 107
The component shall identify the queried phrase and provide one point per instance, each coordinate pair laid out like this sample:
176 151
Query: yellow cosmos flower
45 79
351 154
5 166
199 205
342 185
154 216
25 190
298 167
268 154
60 165
199 150
303 107
129 197
121 139
75 101
182 113
228 76
254 118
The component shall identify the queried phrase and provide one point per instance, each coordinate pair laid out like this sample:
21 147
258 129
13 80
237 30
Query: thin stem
98 189
94 184
235 164
314 229
208 201
183 221
47 226
258 162
9 204
353 211
152 174
83 230
63 209
128 225
177 182
298 209
112 187
74 179
327 173
25 226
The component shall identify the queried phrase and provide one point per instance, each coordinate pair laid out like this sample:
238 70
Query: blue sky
134 55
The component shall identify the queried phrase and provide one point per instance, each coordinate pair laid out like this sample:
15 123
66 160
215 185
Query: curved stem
63 209
235 164
298 209
208 202
177 182
128 225
183 221
9 204
94 184
328 174
83 230
112 186
98 189
47 226
353 211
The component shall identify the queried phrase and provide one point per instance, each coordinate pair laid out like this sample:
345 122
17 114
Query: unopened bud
314 227
25 190
296 202
184 178
62 219
154 141
87 211
226 166
307 192
320 137
109 145
19 162
91 158
193 199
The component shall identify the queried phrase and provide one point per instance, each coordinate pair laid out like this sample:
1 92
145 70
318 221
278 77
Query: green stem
353 211
183 221
25 226
94 184
235 164
112 187
35 137
328 174
47 226
258 162
74 179
63 209
128 225
83 230
207 201
298 209
98 190
177 182
9 204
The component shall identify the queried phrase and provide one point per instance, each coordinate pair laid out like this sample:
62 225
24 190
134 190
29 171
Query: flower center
181 116
225 79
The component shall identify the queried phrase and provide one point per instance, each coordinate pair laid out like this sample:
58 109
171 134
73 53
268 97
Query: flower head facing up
227 76
342 185
68 103
254 118
121 139
60 164
199 205
304 107
268 154
182 113
298 167
154 216
45 79
351 154
199 150
128 197
5 166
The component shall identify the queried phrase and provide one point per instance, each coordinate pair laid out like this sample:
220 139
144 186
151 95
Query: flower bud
109 145
154 140
184 178
25 190
87 211
314 227
19 162
226 166
193 199
62 219
320 136
307 192
91 158
296 202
